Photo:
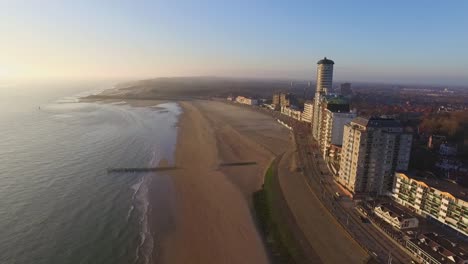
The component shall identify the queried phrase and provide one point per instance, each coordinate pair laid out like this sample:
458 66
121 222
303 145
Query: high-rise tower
324 83
324 75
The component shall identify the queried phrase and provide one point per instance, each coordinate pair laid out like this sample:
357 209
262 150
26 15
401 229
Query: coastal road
324 234
320 181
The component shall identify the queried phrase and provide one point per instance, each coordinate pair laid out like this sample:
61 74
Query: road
321 181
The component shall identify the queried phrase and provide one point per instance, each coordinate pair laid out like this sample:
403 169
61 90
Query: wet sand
212 217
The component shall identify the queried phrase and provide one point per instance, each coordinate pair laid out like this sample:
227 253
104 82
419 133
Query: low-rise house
396 216
448 164
435 141
446 149
430 248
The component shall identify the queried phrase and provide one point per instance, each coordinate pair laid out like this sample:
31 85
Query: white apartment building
291 112
308 111
332 129
442 200
246 100
373 149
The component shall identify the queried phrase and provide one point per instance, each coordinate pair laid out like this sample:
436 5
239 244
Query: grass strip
276 233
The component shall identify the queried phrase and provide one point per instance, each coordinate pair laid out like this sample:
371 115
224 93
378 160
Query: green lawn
277 235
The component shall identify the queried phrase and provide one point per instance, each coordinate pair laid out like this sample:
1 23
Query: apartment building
282 99
246 100
292 112
442 200
335 115
306 115
373 149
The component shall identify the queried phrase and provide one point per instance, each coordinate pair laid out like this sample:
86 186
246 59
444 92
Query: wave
140 198
62 116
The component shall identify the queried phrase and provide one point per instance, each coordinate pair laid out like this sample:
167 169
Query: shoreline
204 212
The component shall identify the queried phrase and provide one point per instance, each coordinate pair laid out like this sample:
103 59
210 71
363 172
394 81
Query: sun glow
5 73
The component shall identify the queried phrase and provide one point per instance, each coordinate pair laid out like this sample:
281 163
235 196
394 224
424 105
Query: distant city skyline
390 42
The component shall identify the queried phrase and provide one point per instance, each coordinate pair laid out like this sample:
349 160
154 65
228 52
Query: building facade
324 83
444 201
373 149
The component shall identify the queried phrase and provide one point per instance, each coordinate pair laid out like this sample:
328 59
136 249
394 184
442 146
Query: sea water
58 203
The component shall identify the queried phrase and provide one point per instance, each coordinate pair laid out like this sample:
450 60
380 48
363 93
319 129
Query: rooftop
395 211
333 99
360 121
325 61
447 186
376 122
440 248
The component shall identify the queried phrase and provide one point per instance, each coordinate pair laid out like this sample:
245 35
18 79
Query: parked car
364 219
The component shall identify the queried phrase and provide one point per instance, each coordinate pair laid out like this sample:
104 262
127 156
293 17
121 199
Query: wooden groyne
244 163
169 168
151 169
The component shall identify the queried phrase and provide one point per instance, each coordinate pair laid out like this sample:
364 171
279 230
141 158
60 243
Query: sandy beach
213 221
210 218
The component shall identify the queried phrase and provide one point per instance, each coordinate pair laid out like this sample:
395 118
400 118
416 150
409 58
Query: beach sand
213 220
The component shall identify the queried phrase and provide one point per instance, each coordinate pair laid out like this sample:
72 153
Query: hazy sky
388 41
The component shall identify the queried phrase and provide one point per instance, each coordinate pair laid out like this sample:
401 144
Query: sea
58 203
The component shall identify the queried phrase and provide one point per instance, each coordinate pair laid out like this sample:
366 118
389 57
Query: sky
370 41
